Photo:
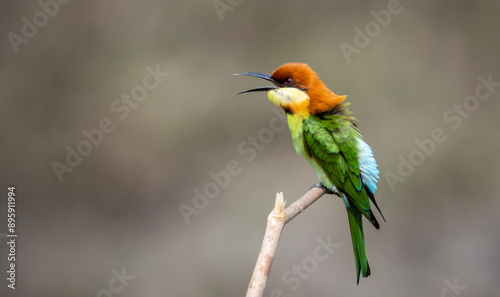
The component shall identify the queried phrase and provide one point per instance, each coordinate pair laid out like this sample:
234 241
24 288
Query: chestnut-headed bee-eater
326 134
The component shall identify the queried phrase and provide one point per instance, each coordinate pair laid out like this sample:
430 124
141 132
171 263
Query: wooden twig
275 223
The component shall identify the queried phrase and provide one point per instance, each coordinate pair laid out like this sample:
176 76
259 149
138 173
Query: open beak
259 89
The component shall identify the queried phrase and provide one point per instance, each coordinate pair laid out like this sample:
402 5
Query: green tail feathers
358 241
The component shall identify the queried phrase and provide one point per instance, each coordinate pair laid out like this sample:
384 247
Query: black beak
259 89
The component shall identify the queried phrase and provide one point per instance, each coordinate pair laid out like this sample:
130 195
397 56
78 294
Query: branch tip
275 223
279 207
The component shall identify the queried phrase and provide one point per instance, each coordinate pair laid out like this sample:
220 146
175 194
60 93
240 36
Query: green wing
332 142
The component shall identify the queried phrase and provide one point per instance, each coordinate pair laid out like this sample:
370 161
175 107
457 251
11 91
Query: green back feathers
332 141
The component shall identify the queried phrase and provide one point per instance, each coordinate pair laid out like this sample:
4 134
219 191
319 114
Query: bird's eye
289 81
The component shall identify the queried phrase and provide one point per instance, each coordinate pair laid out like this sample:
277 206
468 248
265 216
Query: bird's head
298 90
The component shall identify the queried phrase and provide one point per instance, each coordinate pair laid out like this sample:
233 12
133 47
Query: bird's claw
325 189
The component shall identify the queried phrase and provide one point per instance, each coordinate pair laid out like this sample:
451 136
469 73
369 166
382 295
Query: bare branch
275 223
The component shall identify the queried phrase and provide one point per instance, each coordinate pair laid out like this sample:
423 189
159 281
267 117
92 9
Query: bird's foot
325 189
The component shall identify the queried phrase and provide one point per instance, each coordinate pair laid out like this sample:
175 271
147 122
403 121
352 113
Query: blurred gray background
67 68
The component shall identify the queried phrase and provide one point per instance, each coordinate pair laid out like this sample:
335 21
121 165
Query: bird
325 132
